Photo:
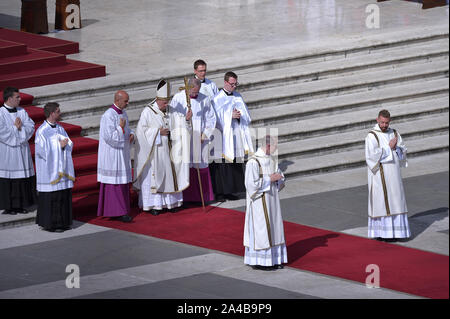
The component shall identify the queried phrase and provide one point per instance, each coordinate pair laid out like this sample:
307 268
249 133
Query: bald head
121 99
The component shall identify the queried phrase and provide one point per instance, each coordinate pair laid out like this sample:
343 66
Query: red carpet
402 269
30 60
39 42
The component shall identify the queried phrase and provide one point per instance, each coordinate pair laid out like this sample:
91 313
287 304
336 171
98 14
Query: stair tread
372 96
358 116
320 142
302 88
355 156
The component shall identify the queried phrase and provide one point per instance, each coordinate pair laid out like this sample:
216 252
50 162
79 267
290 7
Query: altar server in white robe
160 175
203 124
385 155
208 87
233 121
114 162
17 177
55 173
264 242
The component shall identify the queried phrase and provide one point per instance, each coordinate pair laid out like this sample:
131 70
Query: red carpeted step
8 49
86 184
35 113
85 165
25 99
40 42
72 71
31 60
84 146
85 205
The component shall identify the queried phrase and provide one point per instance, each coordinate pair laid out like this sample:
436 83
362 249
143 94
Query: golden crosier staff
186 89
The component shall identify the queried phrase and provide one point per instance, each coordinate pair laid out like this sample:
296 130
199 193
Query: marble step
355 158
297 92
292 73
358 119
322 52
285 94
339 142
378 98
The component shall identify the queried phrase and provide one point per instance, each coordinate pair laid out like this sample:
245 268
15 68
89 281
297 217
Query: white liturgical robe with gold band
54 165
165 159
263 220
386 193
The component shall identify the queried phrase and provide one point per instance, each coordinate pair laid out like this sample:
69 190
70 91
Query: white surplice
159 178
263 231
236 137
15 154
54 165
209 88
387 208
203 122
114 163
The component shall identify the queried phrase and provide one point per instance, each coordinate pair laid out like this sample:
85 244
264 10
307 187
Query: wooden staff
188 101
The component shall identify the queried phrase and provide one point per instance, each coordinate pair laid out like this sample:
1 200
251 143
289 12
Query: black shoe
265 268
174 210
21 211
59 230
10 212
231 197
125 219
154 212
220 198
278 267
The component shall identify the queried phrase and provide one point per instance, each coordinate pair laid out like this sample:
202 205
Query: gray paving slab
202 286
94 253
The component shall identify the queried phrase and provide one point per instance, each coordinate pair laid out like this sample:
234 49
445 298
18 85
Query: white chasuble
15 154
54 165
386 193
203 124
236 137
159 159
114 163
263 220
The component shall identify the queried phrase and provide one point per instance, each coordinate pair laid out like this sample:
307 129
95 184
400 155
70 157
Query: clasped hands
393 143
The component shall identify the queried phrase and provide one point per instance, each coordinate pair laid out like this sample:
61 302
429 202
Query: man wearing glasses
208 87
233 122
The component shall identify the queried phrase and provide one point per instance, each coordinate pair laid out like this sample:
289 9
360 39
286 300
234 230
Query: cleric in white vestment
55 173
159 176
385 155
17 177
265 246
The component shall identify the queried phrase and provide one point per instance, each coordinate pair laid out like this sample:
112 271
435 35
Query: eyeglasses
233 84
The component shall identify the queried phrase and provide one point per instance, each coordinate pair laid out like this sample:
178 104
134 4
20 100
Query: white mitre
163 90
